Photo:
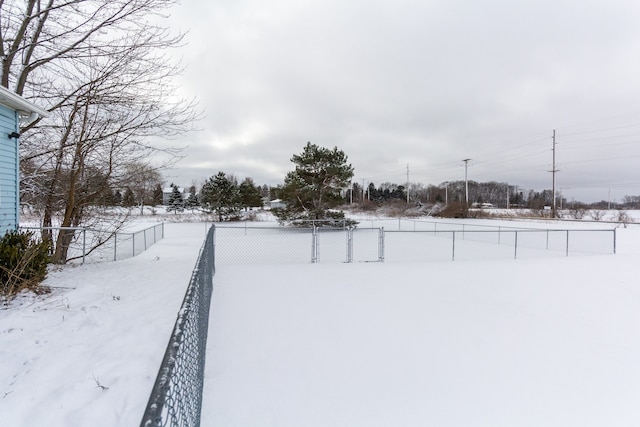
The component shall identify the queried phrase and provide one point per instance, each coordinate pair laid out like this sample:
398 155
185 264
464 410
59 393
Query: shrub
23 263
455 210
577 213
623 217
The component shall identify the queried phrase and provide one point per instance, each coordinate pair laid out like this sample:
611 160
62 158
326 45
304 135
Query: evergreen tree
117 198
250 195
192 201
157 195
176 202
129 199
315 186
221 195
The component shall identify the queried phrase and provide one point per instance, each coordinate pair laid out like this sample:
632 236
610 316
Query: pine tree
128 200
176 202
192 201
157 195
250 195
117 198
315 186
221 195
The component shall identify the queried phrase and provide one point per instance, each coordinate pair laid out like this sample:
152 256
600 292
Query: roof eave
21 105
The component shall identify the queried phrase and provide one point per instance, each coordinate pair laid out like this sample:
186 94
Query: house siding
9 171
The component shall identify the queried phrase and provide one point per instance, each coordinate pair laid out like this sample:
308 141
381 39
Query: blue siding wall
9 181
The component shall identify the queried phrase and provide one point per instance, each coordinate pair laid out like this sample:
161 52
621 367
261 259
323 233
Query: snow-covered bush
23 264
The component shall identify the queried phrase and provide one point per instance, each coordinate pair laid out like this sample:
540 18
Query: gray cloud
424 83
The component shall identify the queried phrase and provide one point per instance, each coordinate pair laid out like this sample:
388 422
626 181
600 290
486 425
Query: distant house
13 110
277 204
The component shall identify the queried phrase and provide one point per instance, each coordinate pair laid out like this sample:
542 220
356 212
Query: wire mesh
129 245
280 245
77 245
471 243
176 398
91 244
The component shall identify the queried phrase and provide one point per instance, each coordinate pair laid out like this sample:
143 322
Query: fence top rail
286 228
36 227
524 230
467 223
141 230
33 227
278 227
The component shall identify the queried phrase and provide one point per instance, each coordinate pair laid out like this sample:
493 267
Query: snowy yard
484 342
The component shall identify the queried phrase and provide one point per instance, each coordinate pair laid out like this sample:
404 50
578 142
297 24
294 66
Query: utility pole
407 183
466 182
553 175
351 192
507 196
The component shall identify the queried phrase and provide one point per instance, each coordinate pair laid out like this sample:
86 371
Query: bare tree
142 179
102 70
623 217
577 212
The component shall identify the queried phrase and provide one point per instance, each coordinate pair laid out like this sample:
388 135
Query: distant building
277 204
13 110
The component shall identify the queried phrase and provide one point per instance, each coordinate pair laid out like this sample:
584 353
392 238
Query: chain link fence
128 245
280 245
468 243
96 245
404 241
77 246
176 398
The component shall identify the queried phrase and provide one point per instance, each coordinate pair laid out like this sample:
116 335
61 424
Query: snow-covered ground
480 342
104 324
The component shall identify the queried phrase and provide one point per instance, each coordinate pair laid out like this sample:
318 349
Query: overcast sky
423 84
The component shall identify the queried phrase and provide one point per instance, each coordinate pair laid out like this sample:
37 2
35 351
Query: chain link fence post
349 231
314 244
453 245
381 244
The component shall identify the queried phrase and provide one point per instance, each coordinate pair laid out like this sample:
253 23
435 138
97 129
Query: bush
328 218
23 264
623 217
454 210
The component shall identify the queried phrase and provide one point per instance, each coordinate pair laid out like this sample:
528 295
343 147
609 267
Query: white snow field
485 340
